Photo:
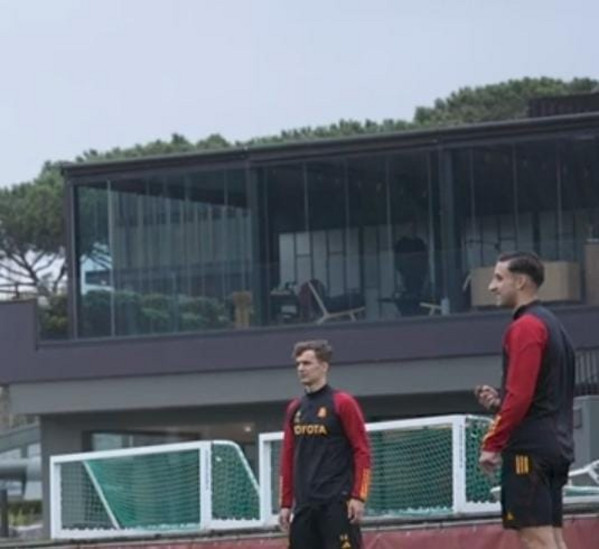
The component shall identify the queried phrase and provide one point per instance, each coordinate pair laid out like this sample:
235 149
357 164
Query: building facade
190 278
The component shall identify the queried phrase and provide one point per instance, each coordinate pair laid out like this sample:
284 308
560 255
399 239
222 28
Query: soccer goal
155 489
426 467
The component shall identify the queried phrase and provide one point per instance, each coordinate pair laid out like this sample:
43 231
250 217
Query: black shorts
324 526
531 490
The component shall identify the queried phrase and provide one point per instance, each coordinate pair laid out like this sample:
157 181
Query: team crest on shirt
344 541
322 412
298 417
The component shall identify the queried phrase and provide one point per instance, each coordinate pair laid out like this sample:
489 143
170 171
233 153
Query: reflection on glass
162 255
538 196
344 238
344 244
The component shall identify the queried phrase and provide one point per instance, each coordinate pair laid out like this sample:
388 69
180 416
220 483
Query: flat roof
256 154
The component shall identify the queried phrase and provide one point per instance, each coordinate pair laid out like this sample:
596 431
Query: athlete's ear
520 280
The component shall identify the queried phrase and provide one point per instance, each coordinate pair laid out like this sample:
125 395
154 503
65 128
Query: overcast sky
82 74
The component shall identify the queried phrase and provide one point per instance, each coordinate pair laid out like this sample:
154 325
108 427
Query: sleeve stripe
492 428
365 486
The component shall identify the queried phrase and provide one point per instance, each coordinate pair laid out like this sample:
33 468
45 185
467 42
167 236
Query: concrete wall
394 342
251 386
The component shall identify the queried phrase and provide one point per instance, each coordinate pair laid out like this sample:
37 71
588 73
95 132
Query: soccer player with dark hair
532 433
325 462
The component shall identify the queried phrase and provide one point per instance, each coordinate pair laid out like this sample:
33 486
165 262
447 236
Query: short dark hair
321 347
527 263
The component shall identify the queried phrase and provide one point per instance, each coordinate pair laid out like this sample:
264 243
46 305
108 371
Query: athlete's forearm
353 424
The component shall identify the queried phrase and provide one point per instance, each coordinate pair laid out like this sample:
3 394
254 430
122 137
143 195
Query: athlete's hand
489 461
284 518
355 510
487 396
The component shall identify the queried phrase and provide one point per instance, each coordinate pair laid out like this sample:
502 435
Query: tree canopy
32 235
504 101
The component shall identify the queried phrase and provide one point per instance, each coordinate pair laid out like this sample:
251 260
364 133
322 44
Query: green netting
412 475
478 485
152 491
234 490
80 505
412 471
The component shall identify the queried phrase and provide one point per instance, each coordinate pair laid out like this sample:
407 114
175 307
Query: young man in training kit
325 462
532 434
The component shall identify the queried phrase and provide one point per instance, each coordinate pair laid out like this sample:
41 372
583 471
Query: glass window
411 229
491 226
163 254
533 196
286 246
384 234
481 211
579 194
335 224
334 254
368 183
94 260
579 221
536 176
116 441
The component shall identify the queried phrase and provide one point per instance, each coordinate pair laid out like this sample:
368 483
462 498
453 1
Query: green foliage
92 206
134 314
24 513
95 312
157 314
202 313
504 101
178 144
140 314
344 128
32 233
53 317
32 214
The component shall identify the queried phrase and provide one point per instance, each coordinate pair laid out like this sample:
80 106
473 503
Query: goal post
169 488
422 467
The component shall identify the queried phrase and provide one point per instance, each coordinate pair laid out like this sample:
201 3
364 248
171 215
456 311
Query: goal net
155 489
421 467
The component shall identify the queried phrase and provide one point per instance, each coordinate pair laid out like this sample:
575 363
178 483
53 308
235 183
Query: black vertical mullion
388 220
111 248
246 226
139 247
307 215
187 233
72 206
476 220
558 173
225 269
260 241
390 234
451 282
346 239
514 158
430 227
